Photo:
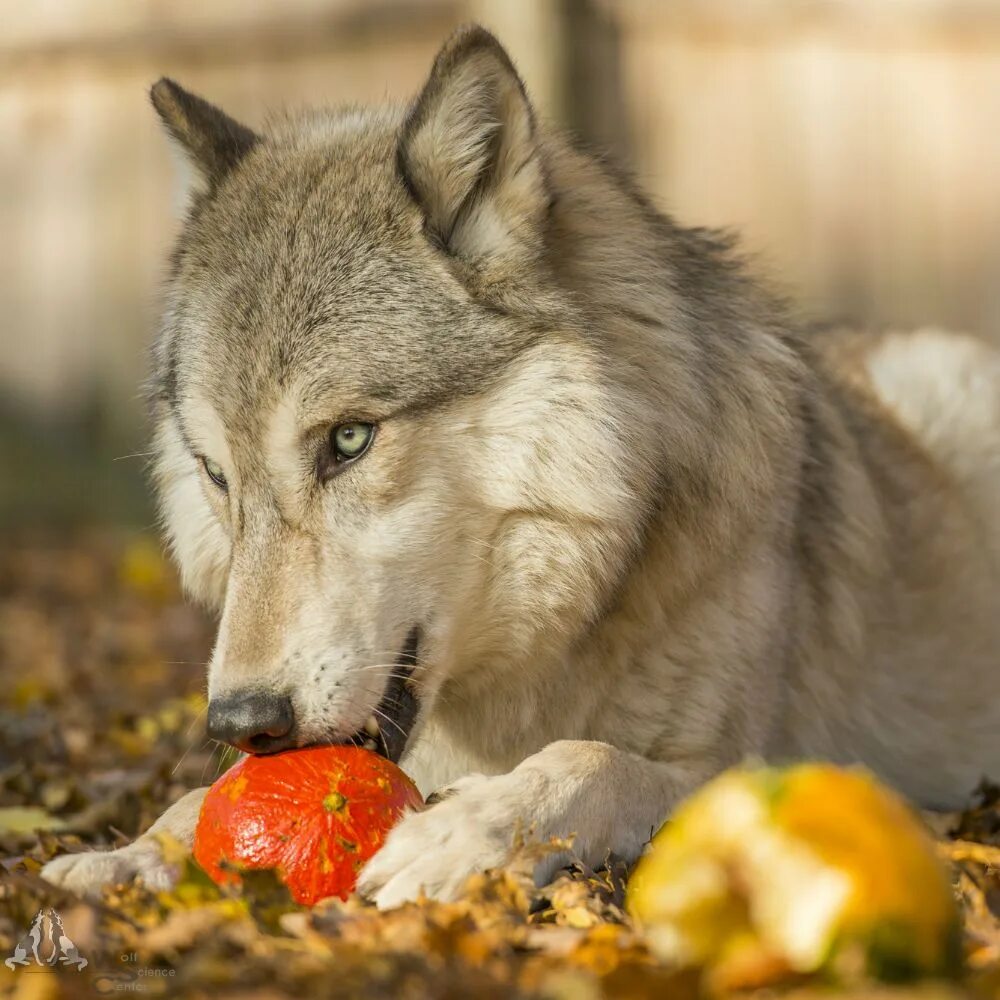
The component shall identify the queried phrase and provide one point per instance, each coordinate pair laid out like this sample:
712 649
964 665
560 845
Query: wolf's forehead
355 357
297 271
290 221
354 345
312 269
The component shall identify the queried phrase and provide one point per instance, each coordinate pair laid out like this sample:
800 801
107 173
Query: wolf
490 465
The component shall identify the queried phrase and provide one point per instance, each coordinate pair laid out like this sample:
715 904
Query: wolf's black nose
253 721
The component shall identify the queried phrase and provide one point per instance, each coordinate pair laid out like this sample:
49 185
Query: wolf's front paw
470 829
87 873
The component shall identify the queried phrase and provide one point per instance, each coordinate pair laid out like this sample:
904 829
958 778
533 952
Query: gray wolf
483 459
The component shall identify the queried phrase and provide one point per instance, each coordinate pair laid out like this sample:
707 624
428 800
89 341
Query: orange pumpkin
314 815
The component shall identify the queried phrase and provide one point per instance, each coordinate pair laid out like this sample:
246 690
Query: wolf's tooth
371 726
369 745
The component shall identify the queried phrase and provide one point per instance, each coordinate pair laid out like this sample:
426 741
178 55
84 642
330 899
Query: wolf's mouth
388 728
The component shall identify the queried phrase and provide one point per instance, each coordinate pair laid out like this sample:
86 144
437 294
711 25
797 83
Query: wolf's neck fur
727 399
760 608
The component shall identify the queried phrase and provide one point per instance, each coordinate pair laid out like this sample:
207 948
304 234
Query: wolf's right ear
470 155
212 141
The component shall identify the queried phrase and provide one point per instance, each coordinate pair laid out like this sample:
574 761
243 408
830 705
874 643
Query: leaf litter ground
102 727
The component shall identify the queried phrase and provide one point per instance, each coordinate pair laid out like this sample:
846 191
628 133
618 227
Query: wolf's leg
86 873
608 799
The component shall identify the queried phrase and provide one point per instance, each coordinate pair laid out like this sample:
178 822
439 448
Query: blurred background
854 143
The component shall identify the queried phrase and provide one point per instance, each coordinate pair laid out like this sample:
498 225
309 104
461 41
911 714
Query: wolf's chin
389 726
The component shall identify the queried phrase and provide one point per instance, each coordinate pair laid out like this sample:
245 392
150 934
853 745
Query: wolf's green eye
215 473
351 441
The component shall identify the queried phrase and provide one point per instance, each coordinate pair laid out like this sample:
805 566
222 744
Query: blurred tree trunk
568 52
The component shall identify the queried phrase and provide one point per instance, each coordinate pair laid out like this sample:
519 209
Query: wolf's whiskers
416 681
211 756
399 729
189 740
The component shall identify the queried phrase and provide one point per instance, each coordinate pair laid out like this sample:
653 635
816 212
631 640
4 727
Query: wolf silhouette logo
46 944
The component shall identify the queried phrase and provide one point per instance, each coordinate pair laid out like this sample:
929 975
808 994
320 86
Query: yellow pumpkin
765 873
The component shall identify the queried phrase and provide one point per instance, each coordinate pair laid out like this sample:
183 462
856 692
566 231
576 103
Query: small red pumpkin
315 815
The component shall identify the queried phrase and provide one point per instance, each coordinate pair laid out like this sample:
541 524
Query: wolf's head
389 450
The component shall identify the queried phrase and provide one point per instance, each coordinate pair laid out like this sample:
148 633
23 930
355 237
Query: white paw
435 851
87 873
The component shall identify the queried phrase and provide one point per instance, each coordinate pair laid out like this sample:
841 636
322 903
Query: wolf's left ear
212 141
469 153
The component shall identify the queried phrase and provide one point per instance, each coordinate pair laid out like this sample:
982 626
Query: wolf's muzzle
253 721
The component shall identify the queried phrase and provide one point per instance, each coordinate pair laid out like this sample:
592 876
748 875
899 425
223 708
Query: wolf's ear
212 141
469 152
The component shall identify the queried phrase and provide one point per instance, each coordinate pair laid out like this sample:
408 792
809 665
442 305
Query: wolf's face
386 452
